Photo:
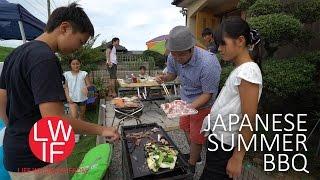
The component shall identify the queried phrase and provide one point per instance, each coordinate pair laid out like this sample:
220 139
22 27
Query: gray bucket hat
180 39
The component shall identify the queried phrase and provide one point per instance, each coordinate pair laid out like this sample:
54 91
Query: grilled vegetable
160 156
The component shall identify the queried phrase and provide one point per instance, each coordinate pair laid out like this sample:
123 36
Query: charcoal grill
128 113
134 158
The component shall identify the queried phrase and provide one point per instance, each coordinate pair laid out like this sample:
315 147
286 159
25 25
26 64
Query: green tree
280 22
307 11
159 59
264 7
245 4
276 29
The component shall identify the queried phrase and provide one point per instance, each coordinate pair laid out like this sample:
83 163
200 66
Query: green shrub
159 59
225 72
312 57
101 87
290 85
245 4
276 28
303 38
285 77
264 7
307 11
289 77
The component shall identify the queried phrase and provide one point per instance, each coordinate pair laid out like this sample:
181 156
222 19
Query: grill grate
135 156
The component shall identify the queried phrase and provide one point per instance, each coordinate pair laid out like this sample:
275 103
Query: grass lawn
85 143
4 52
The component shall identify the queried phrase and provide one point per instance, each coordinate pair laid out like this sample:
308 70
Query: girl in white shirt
240 95
76 89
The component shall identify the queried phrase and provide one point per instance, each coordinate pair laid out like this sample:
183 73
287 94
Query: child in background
143 72
76 89
240 95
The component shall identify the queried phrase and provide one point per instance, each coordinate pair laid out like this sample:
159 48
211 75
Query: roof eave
176 2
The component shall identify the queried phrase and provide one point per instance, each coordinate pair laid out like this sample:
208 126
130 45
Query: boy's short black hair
143 67
114 39
74 15
207 32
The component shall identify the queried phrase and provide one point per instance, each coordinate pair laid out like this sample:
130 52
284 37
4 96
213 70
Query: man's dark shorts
113 71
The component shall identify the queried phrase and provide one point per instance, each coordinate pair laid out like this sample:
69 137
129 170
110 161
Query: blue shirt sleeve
210 76
171 68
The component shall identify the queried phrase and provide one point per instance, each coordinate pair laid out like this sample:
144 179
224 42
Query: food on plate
178 108
118 102
131 99
160 156
131 102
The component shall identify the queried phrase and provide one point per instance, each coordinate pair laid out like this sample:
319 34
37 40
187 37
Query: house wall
202 14
196 6
209 13
193 8
205 19
224 6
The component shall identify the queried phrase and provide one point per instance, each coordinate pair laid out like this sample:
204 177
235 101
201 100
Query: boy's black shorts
113 71
216 162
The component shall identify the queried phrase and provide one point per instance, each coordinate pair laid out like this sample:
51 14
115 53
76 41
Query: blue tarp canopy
10 15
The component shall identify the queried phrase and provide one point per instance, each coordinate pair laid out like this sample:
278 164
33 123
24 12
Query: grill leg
121 121
138 121
113 120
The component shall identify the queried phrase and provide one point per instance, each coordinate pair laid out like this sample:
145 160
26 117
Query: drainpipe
184 12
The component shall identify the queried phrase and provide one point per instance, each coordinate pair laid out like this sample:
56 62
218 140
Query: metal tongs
165 89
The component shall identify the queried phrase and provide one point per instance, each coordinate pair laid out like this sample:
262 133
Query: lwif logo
51 139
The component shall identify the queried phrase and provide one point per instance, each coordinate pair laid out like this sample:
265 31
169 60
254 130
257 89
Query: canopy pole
23 35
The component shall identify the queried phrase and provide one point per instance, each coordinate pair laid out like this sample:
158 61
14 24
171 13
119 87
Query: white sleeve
65 74
84 74
249 72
